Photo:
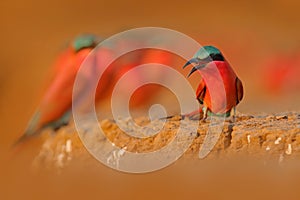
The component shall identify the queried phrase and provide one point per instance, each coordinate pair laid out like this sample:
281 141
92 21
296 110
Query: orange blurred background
34 32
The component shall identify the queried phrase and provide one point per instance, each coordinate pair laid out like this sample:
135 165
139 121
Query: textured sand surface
267 137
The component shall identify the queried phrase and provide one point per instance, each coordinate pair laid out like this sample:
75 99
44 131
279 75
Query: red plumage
220 89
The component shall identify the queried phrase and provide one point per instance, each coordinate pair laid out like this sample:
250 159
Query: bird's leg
204 114
232 115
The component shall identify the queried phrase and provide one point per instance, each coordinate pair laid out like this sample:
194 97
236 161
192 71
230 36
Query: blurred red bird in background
55 108
281 74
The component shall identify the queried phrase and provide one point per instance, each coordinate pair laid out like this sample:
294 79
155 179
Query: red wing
239 90
201 90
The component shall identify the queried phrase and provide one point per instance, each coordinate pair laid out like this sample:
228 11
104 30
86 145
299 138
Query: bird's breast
220 80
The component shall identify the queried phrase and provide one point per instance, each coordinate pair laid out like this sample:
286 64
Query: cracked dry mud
268 137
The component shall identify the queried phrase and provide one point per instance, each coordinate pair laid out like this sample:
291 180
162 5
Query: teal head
203 56
85 41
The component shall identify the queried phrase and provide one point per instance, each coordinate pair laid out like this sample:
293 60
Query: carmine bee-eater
220 90
280 74
55 106
146 56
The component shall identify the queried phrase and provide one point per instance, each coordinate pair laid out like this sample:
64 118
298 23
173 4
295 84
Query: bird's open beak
199 64
195 68
193 60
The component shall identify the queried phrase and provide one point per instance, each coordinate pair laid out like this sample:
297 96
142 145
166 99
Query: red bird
148 56
220 90
55 108
281 74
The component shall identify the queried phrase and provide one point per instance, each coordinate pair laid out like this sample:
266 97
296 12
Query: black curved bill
193 60
195 68
192 71
200 63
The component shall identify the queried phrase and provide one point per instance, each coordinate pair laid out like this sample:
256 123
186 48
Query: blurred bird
281 74
55 108
220 90
152 57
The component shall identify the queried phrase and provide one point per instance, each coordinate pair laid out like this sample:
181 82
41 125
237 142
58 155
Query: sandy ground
255 157
267 137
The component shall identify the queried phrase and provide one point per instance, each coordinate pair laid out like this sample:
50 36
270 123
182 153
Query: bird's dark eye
218 57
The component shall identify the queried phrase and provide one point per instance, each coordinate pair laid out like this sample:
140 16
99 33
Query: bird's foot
232 116
232 120
203 120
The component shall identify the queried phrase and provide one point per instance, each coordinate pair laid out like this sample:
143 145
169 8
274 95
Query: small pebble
268 148
69 146
277 141
248 139
289 150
